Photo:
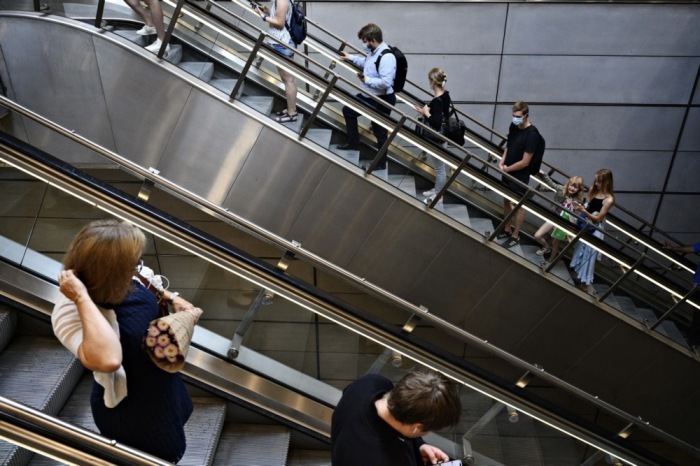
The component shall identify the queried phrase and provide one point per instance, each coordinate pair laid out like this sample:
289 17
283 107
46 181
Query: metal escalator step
174 55
225 85
482 225
666 328
405 183
458 212
8 325
203 431
130 35
202 70
40 373
322 137
252 445
309 458
77 409
262 104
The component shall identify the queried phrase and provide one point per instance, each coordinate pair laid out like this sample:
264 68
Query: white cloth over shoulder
69 330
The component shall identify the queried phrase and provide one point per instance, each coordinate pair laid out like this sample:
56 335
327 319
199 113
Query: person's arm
386 72
608 202
177 302
520 164
683 249
278 21
99 348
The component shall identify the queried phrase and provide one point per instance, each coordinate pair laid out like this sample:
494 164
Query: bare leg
141 11
519 220
290 90
542 232
157 18
555 248
507 208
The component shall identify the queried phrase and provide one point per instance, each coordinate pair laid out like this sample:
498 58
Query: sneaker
511 242
146 30
503 235
155 47
429 193
544 264
543 251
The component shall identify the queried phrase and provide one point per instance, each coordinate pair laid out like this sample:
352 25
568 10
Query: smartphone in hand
451 463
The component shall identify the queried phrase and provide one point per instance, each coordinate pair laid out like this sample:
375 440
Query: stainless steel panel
602 29
599 79
61 81
208 147
400 246
340 215
691 133
144 102
275 182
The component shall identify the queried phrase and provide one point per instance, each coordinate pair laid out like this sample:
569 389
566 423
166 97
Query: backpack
296 24
401 67
537 157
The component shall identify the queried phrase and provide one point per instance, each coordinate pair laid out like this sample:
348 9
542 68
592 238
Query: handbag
453 128
582 222
423 133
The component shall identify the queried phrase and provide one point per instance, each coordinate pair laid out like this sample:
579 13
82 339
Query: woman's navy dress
152 416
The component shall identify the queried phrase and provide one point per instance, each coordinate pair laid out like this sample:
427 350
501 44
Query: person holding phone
279 14
377 423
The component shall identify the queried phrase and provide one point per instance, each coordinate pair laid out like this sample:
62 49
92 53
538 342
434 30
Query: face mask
517 121
366 48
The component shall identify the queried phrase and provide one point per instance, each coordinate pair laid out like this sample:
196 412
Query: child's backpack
401 67
297 24
537 157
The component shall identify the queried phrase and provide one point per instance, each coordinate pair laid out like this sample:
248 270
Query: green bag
558 233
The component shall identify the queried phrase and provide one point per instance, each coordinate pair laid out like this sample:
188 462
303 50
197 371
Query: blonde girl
564 196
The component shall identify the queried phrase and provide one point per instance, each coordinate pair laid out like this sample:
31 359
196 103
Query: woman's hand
71 286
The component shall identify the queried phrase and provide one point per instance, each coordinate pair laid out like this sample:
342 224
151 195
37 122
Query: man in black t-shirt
378 424
522 143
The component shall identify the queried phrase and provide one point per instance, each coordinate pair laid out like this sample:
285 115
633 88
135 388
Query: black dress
152 416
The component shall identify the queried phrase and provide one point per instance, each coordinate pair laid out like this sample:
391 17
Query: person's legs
353 134
290 90
440 174
507 208
157 18
141 11
541 234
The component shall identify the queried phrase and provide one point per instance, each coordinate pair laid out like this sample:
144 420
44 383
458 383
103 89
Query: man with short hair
379 424
521 146
376 81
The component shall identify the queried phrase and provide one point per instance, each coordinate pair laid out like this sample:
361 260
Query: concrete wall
609 84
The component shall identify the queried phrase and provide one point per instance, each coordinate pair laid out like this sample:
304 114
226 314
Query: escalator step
203 431
252 444
8 325
309 458
262 104
202 70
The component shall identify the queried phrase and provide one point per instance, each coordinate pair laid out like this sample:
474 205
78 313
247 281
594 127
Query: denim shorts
279 48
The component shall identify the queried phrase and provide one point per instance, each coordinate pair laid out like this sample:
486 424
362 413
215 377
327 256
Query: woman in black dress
101 317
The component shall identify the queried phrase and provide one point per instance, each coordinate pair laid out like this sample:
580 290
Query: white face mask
517 121
366 48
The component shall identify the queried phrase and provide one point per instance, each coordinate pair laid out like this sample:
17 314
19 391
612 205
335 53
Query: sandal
287 118
283 112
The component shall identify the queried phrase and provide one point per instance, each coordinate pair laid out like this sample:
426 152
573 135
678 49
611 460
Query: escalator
304 345
297 191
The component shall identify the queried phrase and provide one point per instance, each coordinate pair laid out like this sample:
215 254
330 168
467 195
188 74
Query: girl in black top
433 114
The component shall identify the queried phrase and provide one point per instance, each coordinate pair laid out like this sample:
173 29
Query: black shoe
503 235
511 242
348 146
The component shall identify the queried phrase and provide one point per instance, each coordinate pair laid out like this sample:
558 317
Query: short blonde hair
103 255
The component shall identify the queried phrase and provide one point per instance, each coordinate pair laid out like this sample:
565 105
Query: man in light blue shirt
377 80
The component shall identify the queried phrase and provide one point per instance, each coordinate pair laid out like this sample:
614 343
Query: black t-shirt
359 437
519 142
439 110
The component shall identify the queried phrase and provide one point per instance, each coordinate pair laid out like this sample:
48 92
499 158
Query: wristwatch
265 16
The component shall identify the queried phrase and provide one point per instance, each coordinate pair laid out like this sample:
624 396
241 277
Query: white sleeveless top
280 34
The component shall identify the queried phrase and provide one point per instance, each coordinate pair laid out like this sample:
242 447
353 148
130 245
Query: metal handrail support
622 278
171 28
530 192
674 307
98 14
243 327
564 250
385 147
450 180
246 67
319 106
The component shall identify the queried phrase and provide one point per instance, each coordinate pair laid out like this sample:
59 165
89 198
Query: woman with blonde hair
599 201
433 114
101 317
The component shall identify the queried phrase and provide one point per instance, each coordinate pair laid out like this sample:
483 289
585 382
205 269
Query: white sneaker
429 193
155 46
146 30
543 250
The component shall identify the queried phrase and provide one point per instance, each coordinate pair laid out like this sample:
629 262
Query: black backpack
401 67
297 24
537 157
